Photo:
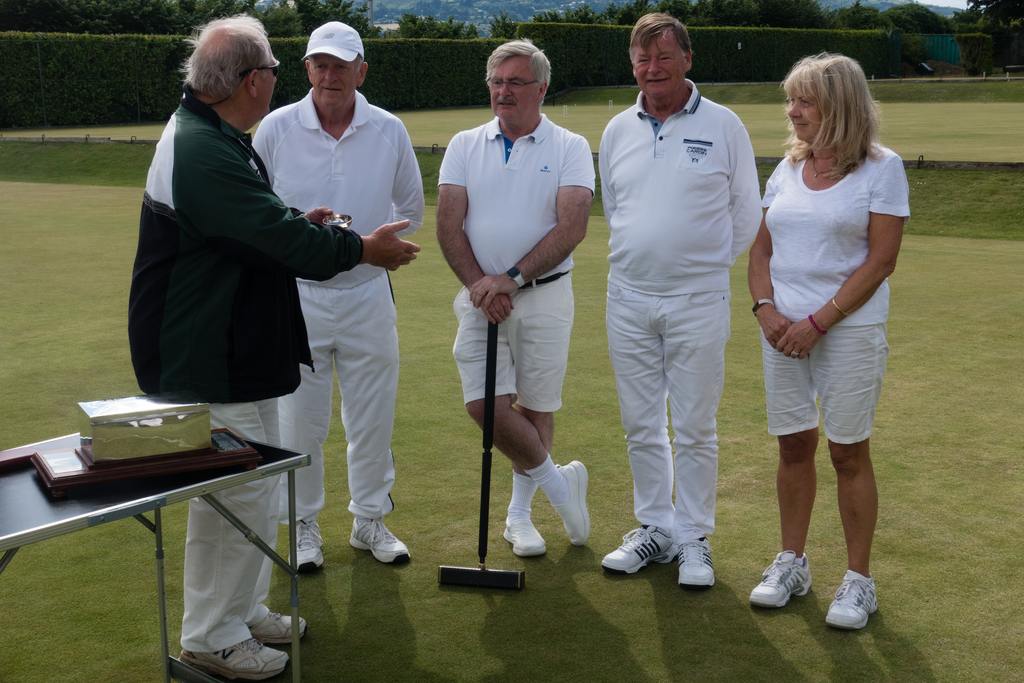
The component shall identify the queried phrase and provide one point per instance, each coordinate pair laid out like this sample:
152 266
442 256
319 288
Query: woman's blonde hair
849 115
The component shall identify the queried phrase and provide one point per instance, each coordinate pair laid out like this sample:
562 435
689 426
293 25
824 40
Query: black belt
544 280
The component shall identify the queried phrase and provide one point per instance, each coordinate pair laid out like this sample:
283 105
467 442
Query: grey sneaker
787 576
855 601
372 535
696 570
639 548
525 539
249 660
276 628
309 546
574 514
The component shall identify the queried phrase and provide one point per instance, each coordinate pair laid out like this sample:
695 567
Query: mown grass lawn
939 120
946 448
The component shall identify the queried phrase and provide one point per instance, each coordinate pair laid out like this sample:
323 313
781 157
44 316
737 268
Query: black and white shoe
696 570
639 548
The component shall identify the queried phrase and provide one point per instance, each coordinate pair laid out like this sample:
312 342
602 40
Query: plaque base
63 470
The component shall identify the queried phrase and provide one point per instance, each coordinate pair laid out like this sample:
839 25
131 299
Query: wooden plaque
63 469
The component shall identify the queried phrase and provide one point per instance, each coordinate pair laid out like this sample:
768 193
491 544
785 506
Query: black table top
28 514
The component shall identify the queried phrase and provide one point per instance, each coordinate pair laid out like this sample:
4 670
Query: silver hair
221 50
539 64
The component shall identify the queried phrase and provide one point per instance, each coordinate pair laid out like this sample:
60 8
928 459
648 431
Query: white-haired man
334 148
513 202
214 315
680 193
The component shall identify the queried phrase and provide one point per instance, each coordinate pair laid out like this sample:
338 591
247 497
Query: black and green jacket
214 312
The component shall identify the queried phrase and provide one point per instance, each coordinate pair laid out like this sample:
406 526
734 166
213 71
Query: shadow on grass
375 638
849 651
560 642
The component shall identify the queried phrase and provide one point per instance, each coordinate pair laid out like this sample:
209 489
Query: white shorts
844 371
533 346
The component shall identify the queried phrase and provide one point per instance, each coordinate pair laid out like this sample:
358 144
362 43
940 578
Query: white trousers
351 331
670 348
224 587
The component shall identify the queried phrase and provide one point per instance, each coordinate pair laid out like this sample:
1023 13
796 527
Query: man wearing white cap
333 148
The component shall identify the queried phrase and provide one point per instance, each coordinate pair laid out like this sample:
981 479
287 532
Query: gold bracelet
841 311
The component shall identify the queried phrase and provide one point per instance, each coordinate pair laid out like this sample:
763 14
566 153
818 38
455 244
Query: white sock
551 481
523 489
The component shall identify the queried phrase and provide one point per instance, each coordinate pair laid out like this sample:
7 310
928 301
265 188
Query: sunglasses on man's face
273 69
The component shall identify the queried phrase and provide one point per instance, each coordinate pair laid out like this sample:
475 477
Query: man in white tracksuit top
333 148
680 193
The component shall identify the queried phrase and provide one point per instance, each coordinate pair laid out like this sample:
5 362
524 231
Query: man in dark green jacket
214 316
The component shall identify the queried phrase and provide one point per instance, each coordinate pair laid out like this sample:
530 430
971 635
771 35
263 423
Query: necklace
814 167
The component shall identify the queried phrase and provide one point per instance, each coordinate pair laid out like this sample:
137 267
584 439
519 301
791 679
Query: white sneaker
372 535
276 628
855 601
574 514
696 570
639 548
249 660
525 539
788 575
309 546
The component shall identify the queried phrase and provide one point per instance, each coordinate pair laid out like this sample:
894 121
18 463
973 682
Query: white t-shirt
371 173
820 237
512 205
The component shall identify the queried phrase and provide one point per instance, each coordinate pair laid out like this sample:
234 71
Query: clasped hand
788 338
492 294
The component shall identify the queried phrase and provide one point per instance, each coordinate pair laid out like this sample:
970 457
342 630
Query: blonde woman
834 211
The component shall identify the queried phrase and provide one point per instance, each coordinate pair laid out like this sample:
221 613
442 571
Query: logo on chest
698 151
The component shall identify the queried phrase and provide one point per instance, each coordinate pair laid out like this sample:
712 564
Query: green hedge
59 79
62 79
586 54
403 74
975 52
53 79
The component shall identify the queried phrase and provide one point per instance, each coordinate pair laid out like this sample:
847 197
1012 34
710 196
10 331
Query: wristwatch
760 303
516 276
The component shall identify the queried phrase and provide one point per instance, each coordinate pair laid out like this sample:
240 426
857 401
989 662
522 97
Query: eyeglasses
272 68
513 83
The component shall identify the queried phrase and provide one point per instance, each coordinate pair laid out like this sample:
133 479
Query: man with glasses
334 148
680 194
214 316
513 202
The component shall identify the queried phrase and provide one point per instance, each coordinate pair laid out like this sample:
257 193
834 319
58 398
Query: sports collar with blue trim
690 108
538 134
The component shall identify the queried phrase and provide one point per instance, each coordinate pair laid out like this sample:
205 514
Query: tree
580 14
680 9
281 20
1003 11
412 26
792 14
194 13
627 14
502 26
857 16
314 13
914 18
726 13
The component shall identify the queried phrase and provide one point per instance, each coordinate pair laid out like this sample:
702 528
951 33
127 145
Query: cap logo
329 35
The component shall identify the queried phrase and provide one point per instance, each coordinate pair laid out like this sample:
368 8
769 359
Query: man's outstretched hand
384 248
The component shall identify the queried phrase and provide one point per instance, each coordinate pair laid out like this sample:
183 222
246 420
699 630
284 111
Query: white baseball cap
336 39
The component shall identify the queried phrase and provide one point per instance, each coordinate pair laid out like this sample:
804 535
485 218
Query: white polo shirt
682 200
512 205
371 173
